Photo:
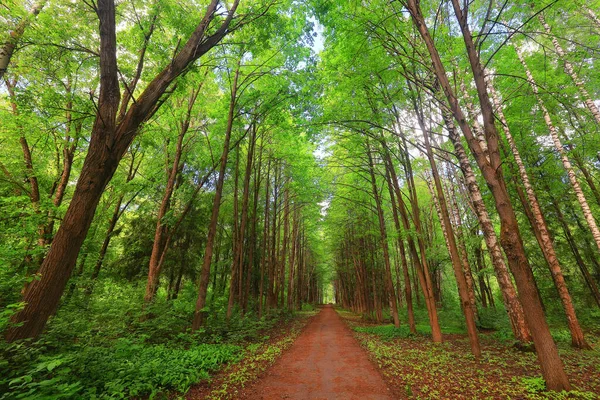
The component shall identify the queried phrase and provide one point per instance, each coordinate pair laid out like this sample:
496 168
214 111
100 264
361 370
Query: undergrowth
107 347
421 369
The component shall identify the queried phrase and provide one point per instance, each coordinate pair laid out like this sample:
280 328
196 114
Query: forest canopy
179 177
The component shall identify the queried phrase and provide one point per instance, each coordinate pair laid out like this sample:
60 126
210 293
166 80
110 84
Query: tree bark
440 202
587 100
550 362
108 144
384 242
154 267
236 270
265 243
509 294
589 217
8 48
419 262
401 247
200 312
589 280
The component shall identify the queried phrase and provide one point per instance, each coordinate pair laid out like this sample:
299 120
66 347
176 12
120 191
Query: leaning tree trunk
587 99
401 247
7 49
587 213
550 362
161 228
420 261
462 247
384 242
459 274
543 236
593 17
509 294
200 312
109 141
589 280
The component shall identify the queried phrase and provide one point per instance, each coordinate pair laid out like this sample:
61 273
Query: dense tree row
170 161
450 125
434 155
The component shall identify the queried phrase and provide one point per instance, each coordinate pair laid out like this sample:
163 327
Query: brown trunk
384 243
111 227
200 312
238 261
30 176
275 237
550 362
291 272
253 227
108 144
422 266
160 232
265 243
459 273
401 247
7 49
462 247
419 264
284 247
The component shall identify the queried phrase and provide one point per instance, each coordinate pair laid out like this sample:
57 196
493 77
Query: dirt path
325 362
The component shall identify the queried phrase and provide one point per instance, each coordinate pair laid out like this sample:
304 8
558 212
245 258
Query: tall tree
110 138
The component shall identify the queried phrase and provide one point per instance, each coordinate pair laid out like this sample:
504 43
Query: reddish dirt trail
325 362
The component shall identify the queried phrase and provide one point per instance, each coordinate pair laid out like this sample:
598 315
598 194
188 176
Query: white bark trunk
571 71
565 160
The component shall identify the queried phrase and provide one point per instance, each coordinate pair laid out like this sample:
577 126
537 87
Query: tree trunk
401 248
238 261
200 312
420 262
108 144
384 242
587 100
8 48
550 362
589 280
161 229
265 243
459 274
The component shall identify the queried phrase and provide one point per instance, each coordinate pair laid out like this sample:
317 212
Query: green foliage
118 350
386 332
533 385
126 369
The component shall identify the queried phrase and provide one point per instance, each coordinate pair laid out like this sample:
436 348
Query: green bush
106 346
127 369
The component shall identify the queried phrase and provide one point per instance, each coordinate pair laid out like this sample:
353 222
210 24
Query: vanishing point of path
325 362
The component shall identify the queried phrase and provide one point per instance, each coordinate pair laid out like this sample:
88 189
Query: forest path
325 362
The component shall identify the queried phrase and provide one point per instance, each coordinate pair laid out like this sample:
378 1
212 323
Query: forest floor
416 368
